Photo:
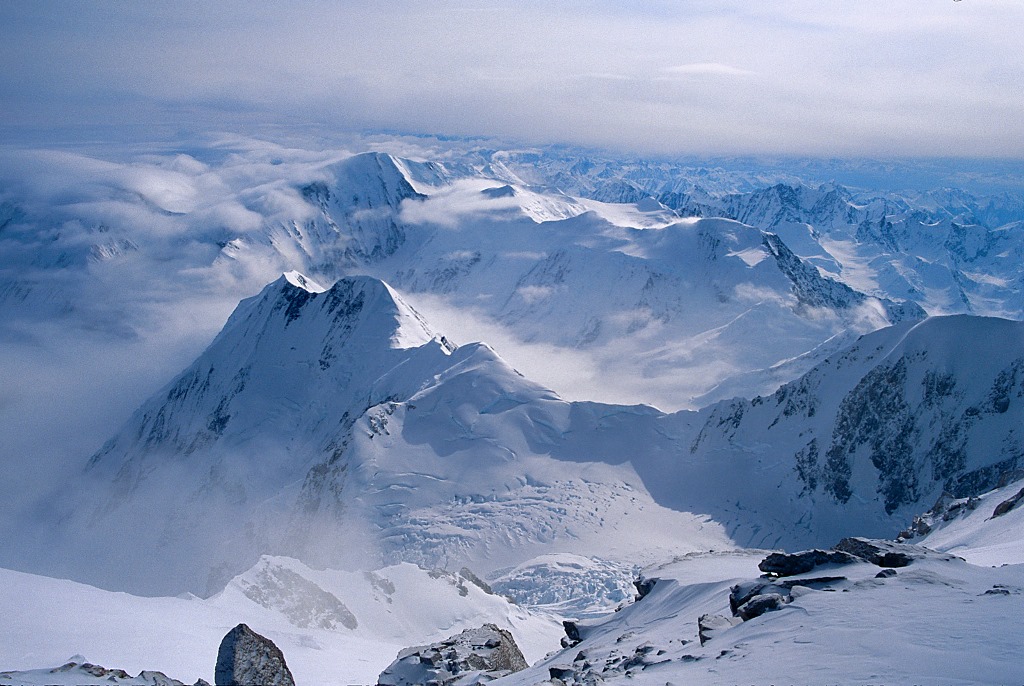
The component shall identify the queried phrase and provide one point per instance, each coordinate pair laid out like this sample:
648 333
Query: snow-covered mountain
684 297
666 309
336 427
873 434
948 249
330 439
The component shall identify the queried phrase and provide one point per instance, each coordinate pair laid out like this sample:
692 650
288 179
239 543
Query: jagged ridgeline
335 426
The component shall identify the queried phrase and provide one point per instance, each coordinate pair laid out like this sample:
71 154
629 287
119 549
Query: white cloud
707 69
871 77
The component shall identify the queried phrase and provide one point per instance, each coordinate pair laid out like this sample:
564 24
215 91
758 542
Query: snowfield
333 627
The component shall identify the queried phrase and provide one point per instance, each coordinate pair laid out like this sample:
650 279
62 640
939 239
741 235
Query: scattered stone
1008 504
563 674
488 652
790 564
889 553
709 625
886 574
758 605
77 668
246 658
743 592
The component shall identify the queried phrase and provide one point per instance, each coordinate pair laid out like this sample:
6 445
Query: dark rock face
643 587
247 659
572 633
488 650
788 564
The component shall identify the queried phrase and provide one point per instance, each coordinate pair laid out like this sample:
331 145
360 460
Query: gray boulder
473 656
759 604
889 553
709 625
789 564
247 659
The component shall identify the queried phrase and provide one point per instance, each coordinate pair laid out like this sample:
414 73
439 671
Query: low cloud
450 206
707 69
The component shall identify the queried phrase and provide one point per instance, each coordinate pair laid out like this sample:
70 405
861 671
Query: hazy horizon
870 79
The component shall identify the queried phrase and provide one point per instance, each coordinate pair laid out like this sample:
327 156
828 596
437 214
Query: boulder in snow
789 564
473 656
245 658
709 625
888 553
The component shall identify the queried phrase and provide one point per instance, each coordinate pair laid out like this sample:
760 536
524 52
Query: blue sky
906 77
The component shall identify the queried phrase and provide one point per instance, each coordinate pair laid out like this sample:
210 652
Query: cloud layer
919 77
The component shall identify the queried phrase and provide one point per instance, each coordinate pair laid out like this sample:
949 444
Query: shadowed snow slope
868 438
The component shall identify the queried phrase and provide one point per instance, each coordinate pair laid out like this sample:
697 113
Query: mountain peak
302 281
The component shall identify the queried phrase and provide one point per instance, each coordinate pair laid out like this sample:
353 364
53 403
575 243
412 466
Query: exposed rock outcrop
247 659
1008 504
790 564
473 656
888 553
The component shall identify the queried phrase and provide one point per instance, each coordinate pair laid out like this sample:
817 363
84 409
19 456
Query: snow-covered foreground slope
985 530
933 622
333 627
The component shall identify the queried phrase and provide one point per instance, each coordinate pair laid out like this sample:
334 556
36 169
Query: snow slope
870 437
934 622
333 627
970 528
